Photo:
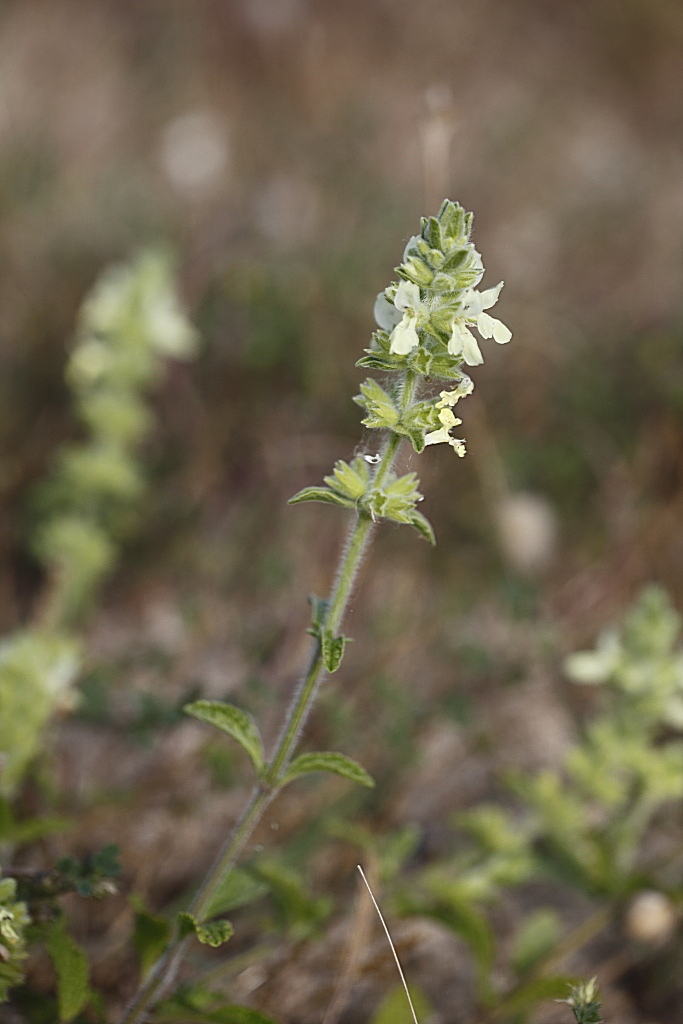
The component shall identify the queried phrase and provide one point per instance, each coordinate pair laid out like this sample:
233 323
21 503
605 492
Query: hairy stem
163 973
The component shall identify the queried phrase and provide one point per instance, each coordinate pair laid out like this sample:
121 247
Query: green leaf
419 420
90 876
71 968
380 356
338 764
404 487
396 500
324 494
150 936
443 366
350 480
374 361
332 649
299 913
433 233
382 412
536 936
237 889
423 526
459 913
416 438
213 933
232 721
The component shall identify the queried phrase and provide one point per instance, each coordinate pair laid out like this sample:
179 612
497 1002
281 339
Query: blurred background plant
586 828
286 147
128 324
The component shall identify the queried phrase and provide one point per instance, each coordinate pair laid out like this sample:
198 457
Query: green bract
353 486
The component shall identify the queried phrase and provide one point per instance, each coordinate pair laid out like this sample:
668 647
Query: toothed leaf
332 648
349 479
382 412
213 934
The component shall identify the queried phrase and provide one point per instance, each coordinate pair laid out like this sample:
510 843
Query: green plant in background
585 826
129 325
579 823
425 322
630 761
14 920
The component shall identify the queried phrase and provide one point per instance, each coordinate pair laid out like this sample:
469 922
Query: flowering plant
424 323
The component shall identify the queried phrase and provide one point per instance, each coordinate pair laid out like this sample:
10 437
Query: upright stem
163 973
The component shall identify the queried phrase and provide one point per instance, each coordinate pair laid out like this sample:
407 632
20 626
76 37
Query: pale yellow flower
443 434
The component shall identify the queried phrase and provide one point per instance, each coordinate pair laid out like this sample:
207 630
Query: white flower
399 318
462 341
404 335
489 327
443 435
386 314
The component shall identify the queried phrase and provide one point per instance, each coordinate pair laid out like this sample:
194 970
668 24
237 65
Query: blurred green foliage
14 920
129 324
585 827
573 159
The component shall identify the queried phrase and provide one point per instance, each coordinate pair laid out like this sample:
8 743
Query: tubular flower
462 341
447 419
443 434
404 335
449 398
